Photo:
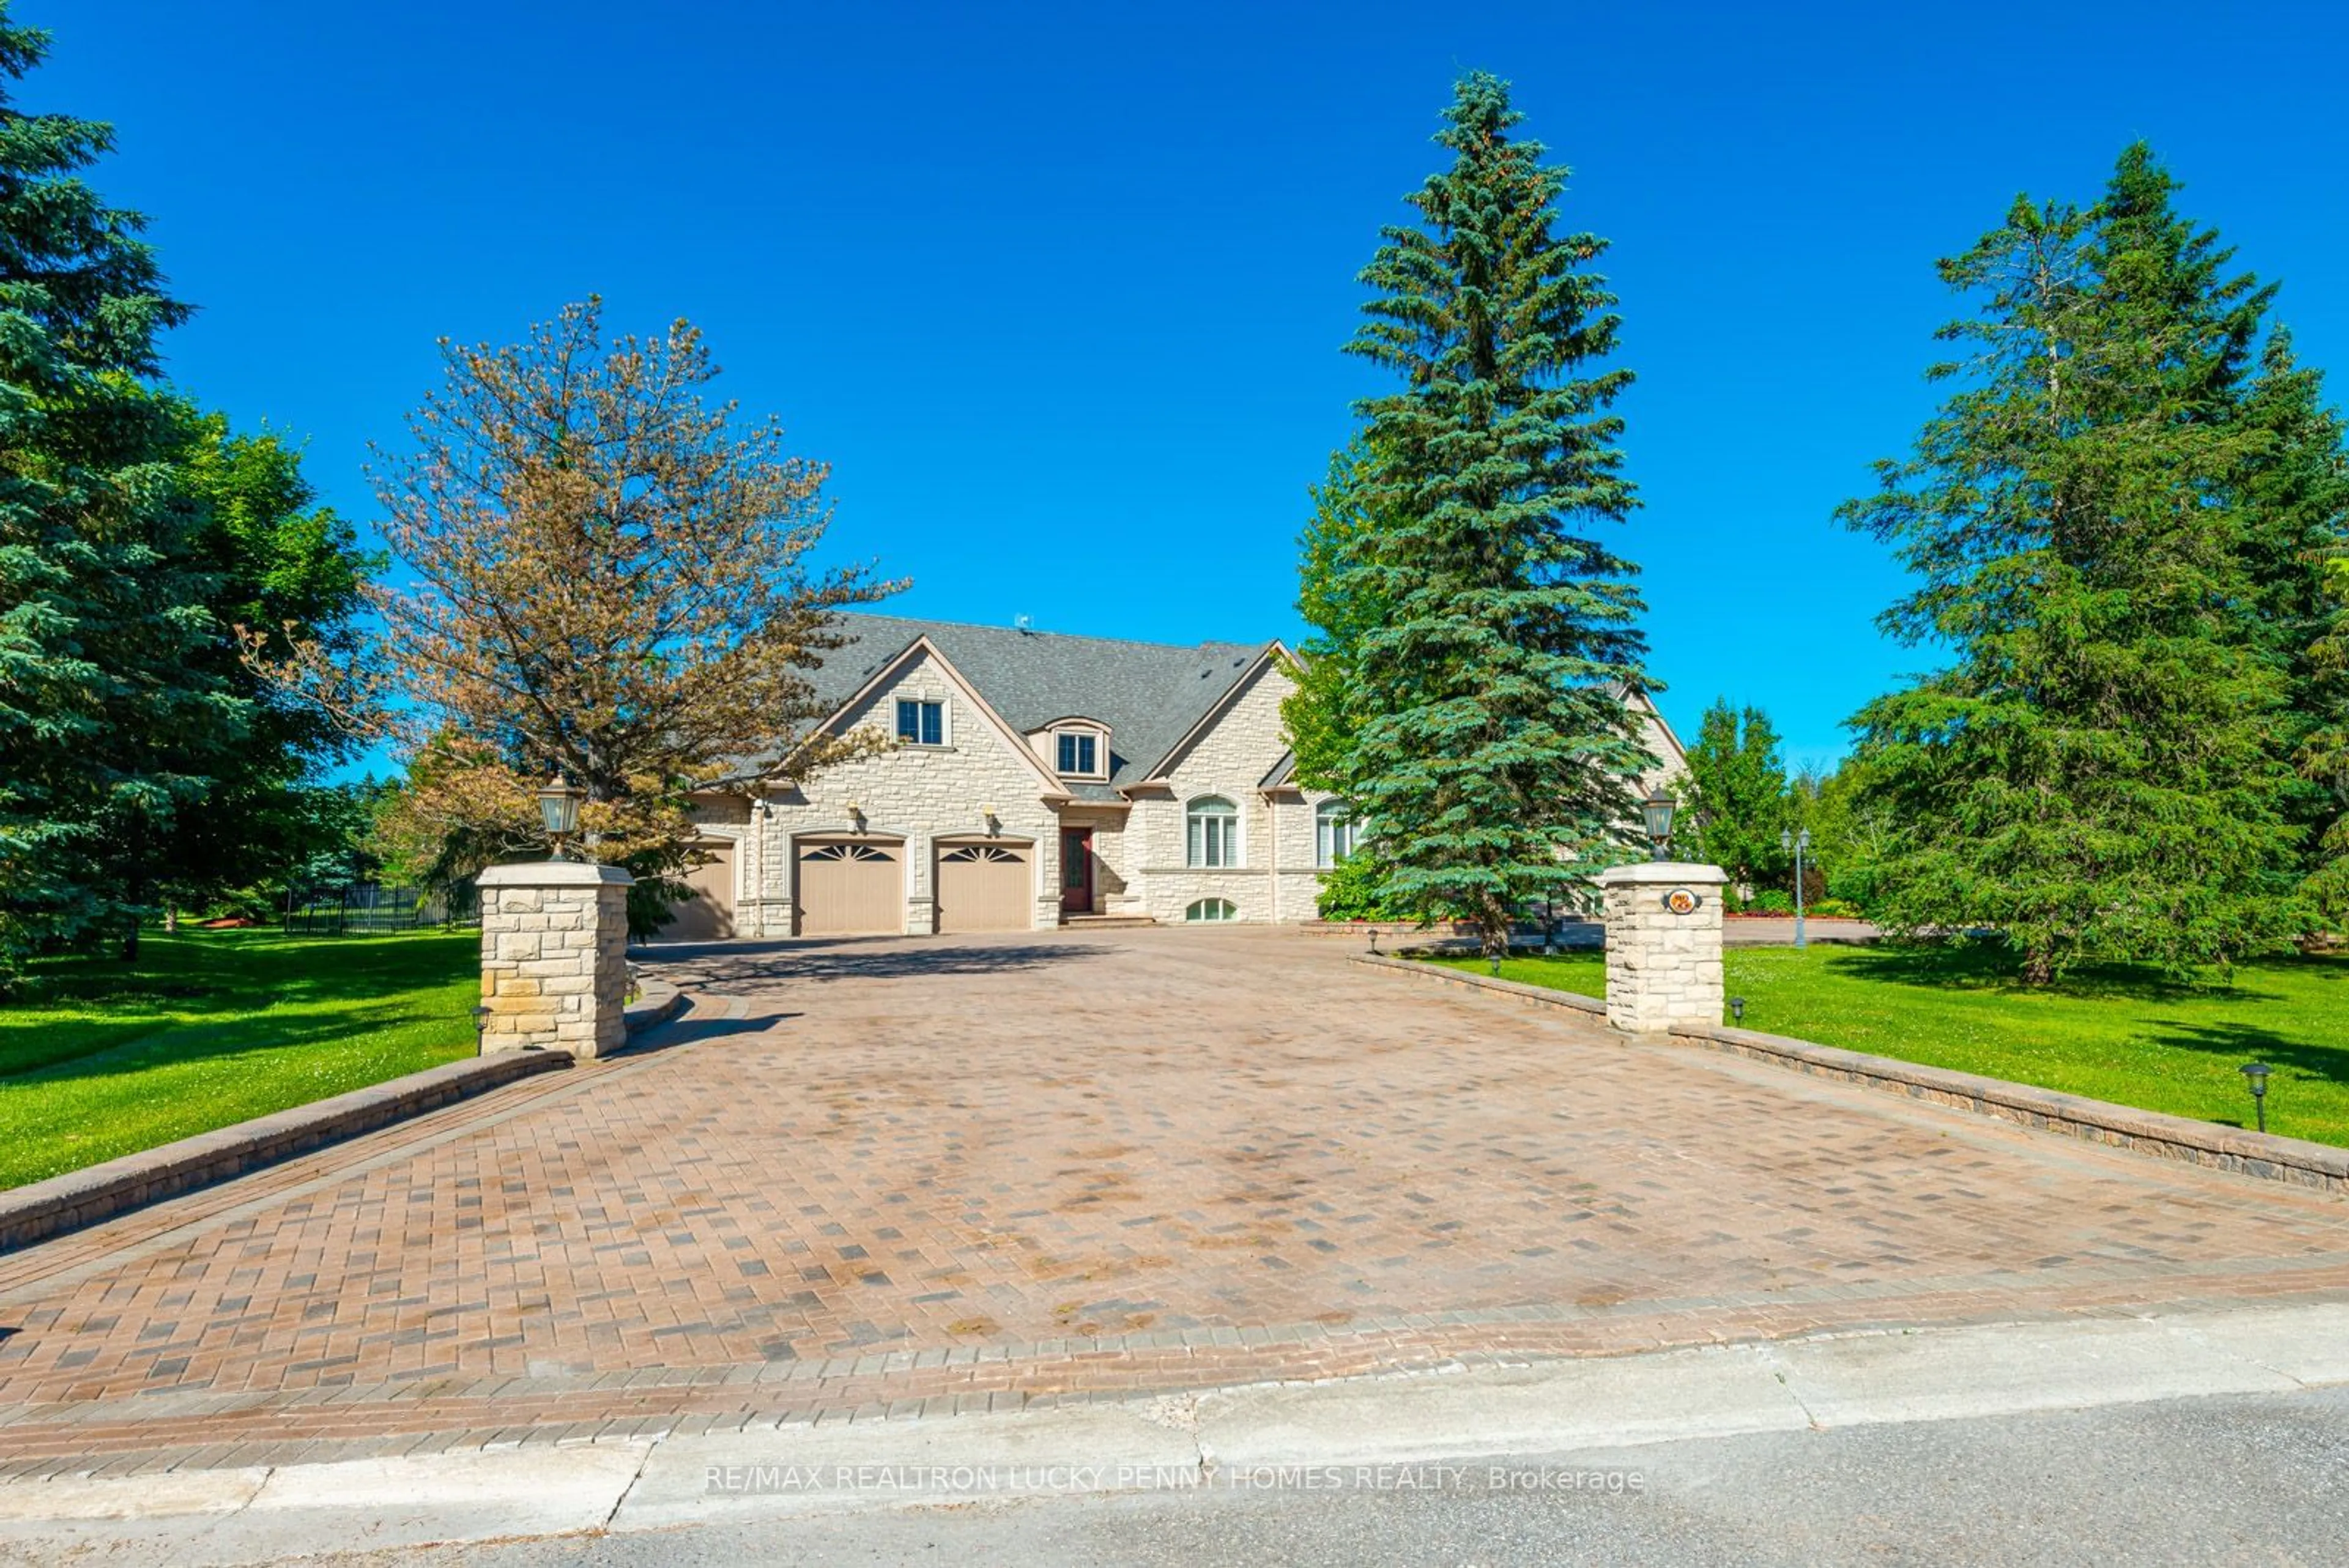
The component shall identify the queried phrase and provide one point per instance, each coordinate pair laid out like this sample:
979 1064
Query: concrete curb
44 1209
1322 1434
2294 1161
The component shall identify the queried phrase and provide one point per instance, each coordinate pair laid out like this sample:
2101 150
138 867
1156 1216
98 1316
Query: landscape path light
2256 1074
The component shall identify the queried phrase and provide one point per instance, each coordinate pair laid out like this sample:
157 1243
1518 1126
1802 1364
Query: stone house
1030 780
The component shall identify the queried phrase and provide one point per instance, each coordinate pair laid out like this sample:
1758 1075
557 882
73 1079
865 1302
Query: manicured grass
2124 1035
212 1027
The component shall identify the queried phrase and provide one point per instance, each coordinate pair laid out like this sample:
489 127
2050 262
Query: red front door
1076 870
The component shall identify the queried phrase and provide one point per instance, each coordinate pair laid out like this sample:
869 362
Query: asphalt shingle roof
1150 694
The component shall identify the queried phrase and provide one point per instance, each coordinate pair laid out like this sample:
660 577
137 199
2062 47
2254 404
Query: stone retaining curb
1546 995
43 1209
2265 1156
656 1001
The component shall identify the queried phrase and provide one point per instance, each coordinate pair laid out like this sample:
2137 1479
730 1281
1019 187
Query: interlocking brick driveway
1109 1161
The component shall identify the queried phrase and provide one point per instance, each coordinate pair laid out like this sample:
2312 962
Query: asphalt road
2235 1478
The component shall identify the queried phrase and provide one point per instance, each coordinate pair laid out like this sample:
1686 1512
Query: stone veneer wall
917 793
1277 878
555 958
1663 969
921 793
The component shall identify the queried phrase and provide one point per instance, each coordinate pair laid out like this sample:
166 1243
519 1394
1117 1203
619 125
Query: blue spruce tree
1494 756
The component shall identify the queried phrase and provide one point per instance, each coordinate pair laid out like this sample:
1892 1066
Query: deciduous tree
600 573
1323 714
1737 797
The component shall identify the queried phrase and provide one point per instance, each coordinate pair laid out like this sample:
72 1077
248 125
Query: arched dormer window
1212 832
1077 748
1333 832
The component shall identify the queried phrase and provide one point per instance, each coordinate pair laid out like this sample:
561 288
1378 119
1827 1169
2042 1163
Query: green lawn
2118 1034
212 1027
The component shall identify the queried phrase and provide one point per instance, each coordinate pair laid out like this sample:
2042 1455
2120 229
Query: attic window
921 723
1079 753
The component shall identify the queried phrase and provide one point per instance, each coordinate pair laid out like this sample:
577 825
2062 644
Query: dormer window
1078 748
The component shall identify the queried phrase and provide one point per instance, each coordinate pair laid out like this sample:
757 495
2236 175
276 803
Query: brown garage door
851 888
985 888
708 915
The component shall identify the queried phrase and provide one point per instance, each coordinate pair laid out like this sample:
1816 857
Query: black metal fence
360 908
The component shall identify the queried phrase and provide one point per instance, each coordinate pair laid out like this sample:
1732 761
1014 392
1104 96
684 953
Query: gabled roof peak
1149 695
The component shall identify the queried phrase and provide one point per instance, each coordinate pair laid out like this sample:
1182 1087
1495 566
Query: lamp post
2256 1074
1657 812
1800 843
558 808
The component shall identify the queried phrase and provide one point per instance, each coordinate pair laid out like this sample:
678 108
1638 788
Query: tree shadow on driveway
715 965
691 1029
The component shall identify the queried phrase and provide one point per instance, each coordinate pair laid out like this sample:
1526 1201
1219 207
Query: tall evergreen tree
2095 773
109 719
1493 748
2324 754
2224 366
2295 491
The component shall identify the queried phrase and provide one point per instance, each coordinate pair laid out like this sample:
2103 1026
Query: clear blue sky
1059 292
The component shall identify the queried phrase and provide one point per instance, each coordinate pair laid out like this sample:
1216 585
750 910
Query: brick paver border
199 1431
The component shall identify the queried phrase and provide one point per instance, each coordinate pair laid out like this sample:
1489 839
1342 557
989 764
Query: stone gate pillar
1663 945
555 958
